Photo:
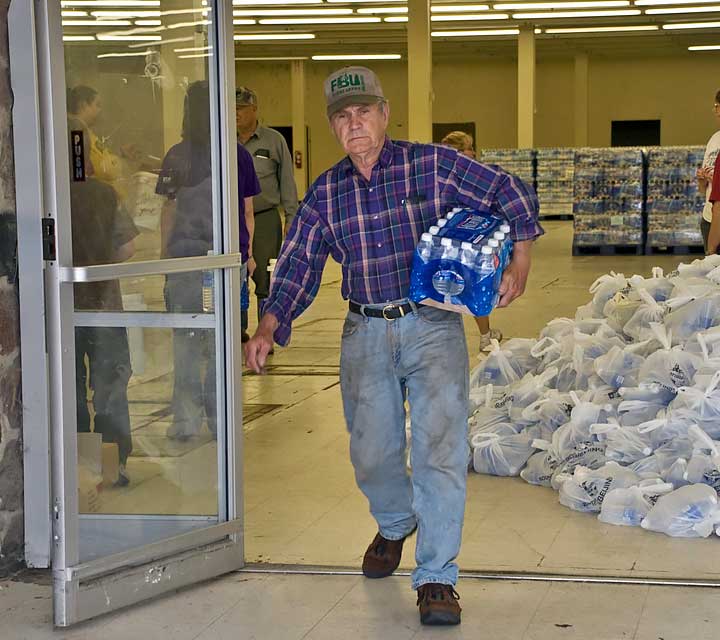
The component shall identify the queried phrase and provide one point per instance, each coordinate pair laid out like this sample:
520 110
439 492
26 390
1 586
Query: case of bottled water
459 262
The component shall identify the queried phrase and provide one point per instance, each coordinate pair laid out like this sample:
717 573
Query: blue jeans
422 357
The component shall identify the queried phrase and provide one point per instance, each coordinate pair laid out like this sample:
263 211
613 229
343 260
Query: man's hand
516 275
257 348
251 266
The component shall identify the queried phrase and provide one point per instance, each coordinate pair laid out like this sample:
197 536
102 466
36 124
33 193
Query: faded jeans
422 356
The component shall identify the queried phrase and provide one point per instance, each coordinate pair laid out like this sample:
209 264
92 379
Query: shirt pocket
264 167
421 211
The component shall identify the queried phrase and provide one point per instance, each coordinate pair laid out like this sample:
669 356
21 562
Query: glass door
138 168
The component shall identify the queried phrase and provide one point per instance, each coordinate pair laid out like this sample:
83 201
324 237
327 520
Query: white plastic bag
688 512
670 367
698 315
553 410
586 489
700 405
623 445
604 288
541 465
519 351
501 455
638 327
496 369
629 506
618 367
529 390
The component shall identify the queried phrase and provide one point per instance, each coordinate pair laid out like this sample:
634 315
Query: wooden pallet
607 250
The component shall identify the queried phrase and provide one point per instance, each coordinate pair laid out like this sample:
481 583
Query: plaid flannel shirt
371 227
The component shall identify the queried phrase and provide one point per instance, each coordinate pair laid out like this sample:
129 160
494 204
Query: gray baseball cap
352 85
244 97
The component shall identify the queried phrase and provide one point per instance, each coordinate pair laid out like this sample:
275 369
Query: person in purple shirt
368 212
187 230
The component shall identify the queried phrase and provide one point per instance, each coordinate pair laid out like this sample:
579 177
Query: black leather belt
389 311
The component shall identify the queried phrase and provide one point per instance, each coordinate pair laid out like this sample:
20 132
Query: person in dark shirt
187 230
102 233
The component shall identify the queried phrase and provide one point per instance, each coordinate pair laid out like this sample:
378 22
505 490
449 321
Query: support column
580 110
297 82
420 93
526 88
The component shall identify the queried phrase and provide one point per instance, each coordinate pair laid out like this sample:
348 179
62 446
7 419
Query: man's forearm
522 250
268 324
250 221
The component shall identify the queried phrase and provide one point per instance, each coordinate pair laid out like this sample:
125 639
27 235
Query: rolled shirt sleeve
715 190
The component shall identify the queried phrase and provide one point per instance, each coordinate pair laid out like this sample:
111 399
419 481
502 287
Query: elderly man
368 212
274 168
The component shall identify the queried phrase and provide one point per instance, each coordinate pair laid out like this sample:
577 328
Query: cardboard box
88 485
90 452
110 464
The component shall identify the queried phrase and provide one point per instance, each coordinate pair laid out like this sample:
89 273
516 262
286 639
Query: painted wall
679 90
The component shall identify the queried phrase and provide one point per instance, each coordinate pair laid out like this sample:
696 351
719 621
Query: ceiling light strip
458 8
293 12
347 20
691 25
271 58
554 15
473 34
674 10
381 10
479 16
705 47
592 4
250 37
360 56
619 28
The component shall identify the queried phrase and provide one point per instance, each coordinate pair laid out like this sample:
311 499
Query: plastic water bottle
434 230
468 254
208 291
486 262
450 249
441 223
505 228
425 247
492 242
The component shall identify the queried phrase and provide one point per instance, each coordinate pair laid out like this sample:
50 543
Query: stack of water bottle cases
555 182
674 205
519 162
608 198
618 408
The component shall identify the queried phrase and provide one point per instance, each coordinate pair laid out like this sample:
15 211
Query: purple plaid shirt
372 227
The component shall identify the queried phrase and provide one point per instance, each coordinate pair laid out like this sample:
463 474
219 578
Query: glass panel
177 293
139 130
147 419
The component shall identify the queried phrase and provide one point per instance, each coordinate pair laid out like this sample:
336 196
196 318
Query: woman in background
464 144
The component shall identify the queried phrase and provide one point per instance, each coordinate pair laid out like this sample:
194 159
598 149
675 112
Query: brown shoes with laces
438 604
382 557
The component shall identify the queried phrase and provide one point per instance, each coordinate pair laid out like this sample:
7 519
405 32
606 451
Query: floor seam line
640 615
328 612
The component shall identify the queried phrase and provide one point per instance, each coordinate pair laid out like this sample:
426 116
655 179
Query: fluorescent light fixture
125 14
124 55
378 10
348 20
470 16
182 25
272 58
196 55
240 21
590 4
148 23
191 49
472 34
164 41
458 8
242 37
77 38
554 15
651 3
659 12
364 1
293 12
110 3
705 47
691 25
395 19
95 23
244 3
360 56
644 27
73 14
136 38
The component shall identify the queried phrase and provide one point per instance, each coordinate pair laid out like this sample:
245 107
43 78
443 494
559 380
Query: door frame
87 589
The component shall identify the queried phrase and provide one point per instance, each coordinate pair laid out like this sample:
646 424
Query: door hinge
48 239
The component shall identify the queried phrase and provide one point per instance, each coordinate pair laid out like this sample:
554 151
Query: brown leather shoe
382 557
438 604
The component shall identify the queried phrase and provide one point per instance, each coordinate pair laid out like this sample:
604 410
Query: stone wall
11 473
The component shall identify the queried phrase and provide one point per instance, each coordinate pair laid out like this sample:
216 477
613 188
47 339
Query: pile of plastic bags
617 409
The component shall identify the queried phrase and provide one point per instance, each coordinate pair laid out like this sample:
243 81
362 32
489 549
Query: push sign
78 156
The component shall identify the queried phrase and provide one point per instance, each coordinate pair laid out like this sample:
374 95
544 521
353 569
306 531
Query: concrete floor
273 607
301 502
